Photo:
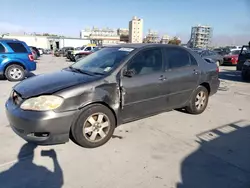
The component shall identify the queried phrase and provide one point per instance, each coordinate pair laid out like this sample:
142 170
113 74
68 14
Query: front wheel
94 126
199 101
14 73
77 57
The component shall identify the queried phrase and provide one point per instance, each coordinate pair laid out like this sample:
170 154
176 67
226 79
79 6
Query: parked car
37 51
69 52
40 51
211 55
84 49
34 54
64 50
243 56
245 72
114 85
57 53
16 59
231 58
86 53
222 51
47 51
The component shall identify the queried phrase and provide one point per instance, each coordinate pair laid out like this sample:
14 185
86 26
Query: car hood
50 83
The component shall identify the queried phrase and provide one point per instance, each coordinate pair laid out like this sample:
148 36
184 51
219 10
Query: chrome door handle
195 72
162 78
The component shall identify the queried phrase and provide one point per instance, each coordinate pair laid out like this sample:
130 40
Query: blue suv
16 59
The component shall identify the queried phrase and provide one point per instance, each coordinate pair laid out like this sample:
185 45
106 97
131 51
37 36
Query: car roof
142 45
9 40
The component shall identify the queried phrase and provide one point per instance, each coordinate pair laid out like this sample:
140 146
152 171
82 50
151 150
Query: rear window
17 47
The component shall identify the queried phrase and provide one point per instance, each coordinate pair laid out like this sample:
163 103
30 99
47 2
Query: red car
231 58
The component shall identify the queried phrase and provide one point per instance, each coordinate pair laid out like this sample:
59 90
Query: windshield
102 61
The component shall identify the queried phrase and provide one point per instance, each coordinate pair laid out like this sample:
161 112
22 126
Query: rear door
19 50
182 76
2 55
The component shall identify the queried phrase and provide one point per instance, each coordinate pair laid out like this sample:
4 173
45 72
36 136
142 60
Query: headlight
42 103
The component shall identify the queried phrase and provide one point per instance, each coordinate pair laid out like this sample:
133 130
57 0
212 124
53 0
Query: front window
102 61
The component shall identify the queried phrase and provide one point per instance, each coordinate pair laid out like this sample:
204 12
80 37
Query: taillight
217 69
31 58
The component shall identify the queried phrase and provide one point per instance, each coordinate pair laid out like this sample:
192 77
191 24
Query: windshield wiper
98 73
81 71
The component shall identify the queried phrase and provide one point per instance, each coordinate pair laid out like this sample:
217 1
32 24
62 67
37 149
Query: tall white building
201 36
136 30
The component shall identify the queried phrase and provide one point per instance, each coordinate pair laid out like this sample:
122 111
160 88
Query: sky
230 19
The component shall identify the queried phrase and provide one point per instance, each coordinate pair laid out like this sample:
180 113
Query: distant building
124 34
165 39
101 36
48 42
136 30
151 37
200 36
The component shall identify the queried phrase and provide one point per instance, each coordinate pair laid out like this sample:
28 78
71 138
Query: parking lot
172 149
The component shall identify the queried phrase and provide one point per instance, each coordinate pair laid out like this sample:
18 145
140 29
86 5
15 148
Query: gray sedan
112 86
208 54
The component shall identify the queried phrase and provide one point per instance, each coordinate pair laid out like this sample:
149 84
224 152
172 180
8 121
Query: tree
175 41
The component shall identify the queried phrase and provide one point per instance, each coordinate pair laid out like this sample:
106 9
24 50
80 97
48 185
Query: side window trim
190 60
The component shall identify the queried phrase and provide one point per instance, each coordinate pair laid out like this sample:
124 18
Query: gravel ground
172 149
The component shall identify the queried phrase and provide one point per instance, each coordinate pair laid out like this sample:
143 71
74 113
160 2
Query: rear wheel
238 67
77 57
199 101
244 76
94 126
14 73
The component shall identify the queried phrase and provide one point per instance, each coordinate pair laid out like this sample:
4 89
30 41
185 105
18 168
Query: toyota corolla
114 85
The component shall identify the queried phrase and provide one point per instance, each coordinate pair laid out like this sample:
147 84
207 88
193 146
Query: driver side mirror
128 73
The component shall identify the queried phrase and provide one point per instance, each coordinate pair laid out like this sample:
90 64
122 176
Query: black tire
238 68
9 74
77 129
77 57
192 108
244 76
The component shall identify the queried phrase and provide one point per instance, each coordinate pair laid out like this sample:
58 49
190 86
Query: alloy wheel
200 100
96 127
15 73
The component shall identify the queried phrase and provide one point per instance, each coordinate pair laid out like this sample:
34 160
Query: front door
141 93
182 76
